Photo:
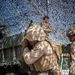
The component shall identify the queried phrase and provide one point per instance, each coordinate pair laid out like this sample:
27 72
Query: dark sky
16 15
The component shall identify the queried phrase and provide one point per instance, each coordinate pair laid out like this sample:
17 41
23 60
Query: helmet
71 31
35 32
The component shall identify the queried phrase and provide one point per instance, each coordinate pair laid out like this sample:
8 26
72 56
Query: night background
16 15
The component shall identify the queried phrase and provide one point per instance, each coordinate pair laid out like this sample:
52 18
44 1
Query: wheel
10 71
10 74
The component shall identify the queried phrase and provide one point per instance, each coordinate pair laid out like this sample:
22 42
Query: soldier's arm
33 55
48 30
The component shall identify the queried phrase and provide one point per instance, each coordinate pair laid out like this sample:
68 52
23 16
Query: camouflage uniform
72 63
47 30
41 58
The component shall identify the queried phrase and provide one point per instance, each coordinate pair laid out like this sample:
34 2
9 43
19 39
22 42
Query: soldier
71 35
45 25
38 54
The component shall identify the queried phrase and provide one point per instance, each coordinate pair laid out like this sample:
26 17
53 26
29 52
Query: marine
38 53
71 35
